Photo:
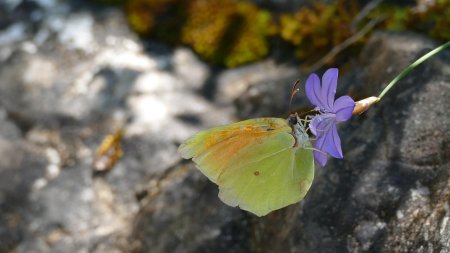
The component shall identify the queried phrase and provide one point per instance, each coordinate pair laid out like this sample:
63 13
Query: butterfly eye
293 120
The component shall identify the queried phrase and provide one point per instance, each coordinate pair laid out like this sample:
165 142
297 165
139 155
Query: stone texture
69 78
389 194
61 93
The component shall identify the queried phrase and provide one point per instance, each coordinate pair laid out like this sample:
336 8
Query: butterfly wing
275 181
254 163
213 149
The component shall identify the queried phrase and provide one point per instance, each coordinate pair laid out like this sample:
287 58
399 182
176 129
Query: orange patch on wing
244 131
214 150
224 147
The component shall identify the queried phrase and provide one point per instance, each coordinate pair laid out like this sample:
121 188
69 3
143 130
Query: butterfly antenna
294 91
307 113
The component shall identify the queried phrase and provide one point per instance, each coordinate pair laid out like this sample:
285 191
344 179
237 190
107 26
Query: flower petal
329 84
319 156
343 107
332 143
314 123
320 124
313 91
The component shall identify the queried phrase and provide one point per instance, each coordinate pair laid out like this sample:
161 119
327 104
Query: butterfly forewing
213 148
255 163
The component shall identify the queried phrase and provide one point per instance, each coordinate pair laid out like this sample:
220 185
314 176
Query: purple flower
323 125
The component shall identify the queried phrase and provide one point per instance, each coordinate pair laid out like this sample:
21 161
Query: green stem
411 67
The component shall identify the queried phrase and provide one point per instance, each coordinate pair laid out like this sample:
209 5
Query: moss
235 32
226 32
432 19
396 16
160 19
317 29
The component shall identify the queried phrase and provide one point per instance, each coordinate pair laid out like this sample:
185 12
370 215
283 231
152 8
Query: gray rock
393 152
61 94
257 90
20 168
389 194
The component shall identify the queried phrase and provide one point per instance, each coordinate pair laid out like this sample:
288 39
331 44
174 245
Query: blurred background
96 96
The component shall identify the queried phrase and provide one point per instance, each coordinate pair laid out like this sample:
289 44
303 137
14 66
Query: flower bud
364 104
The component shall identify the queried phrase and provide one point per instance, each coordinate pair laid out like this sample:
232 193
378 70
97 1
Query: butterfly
260 165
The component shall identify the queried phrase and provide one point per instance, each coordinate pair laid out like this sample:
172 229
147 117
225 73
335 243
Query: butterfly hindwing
261 186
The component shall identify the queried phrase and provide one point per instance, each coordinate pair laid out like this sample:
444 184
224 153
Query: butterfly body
259 164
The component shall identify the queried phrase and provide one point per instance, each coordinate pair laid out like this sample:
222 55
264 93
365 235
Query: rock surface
390 194
68 78
62 92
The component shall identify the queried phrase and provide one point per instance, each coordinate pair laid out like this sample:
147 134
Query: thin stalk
411 67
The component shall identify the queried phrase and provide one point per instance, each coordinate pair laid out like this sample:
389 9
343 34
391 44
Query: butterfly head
298 130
